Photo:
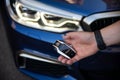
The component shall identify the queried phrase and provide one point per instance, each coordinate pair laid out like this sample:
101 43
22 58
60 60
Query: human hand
84 44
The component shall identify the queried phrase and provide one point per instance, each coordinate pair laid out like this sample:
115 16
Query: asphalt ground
8 70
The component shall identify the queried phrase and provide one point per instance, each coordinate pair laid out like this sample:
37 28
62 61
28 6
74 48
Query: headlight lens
41 19
26 14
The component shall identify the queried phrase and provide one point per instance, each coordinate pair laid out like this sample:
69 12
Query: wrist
111 34
93 41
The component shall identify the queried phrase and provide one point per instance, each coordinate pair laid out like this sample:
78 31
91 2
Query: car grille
42 67
46 68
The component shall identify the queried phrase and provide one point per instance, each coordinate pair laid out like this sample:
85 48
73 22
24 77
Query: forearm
111 34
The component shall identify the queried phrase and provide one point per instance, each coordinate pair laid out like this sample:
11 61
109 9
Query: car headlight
31 16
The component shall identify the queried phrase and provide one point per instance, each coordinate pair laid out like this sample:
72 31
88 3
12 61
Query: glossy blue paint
86 8
28 42
38 34
38 40
44 77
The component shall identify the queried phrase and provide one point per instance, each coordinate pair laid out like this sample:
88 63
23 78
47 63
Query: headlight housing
43 17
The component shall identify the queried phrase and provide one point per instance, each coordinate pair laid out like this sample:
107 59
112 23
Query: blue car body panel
85 8
41 40
39 77
38 34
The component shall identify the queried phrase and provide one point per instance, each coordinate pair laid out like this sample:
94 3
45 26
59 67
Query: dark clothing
101 66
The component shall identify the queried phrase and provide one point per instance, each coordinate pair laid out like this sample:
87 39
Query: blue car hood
85 7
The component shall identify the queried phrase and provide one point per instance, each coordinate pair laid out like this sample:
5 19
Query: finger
68 35
64 60
60 58
73 60
65 37
68 42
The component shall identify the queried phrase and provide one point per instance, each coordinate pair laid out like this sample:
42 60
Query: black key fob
64 49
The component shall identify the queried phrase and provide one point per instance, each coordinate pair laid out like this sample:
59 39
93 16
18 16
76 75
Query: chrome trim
36 58
61 53
89 19
40 57
12 15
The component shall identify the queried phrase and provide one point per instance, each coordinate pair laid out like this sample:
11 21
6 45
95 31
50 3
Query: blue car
36 24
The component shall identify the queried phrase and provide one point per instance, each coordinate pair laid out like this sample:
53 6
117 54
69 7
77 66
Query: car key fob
64 49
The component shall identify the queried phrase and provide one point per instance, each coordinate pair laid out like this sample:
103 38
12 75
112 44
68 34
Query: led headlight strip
29 15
